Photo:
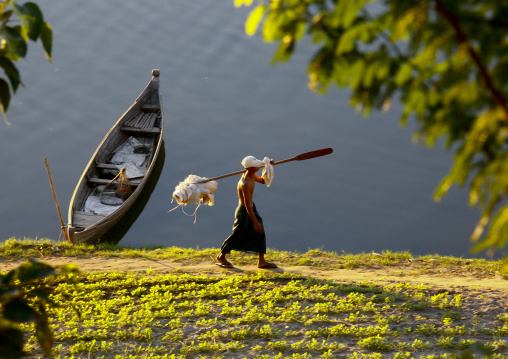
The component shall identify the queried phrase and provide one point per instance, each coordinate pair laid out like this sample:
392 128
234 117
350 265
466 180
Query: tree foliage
446 61
18 24
23 299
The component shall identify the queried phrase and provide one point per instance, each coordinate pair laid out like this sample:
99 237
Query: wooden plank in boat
86 219
155 130
150 108
107 166
100 181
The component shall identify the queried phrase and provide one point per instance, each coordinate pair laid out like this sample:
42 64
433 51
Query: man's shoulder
246 184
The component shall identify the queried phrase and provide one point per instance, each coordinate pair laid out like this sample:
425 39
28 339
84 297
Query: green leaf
33 270
69 268
44 336
498 231
11 71
253 20
284 52
47 39
347 41
383 69
443 187
369 74
346 12
20 312
403 74
31 17
271 27
5 97
352 9
355 73
22 31
16 44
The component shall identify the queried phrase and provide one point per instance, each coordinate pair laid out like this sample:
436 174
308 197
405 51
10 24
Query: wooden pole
56 202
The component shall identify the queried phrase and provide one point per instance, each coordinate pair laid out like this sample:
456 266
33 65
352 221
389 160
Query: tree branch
462 39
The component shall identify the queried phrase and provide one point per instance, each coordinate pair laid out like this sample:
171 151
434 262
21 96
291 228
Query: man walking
248 232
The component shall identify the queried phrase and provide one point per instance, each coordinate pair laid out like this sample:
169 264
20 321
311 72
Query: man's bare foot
223 262
267 265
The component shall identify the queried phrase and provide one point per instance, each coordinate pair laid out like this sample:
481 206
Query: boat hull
143 120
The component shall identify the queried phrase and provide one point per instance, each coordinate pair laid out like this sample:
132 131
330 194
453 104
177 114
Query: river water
223 100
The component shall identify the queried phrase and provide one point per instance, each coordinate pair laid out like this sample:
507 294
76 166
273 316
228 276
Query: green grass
402 263
265 314
261 315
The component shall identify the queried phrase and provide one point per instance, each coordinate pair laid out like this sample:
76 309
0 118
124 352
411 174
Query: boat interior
132 147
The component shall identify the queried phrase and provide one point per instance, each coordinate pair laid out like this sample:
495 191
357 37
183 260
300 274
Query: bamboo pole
56 202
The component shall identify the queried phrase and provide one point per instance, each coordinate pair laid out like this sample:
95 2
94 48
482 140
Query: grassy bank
14 249
266 314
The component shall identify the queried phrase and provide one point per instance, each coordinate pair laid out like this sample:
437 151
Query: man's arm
259 179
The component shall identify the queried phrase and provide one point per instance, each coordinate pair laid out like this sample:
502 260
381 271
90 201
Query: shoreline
385 267
385 275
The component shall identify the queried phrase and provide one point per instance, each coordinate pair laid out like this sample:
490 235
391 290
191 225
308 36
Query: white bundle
191 191
126 153
267 174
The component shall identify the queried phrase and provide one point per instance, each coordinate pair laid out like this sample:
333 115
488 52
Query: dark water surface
223 101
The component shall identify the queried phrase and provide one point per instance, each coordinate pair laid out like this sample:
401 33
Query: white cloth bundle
267 174
190 191
93 204
126 153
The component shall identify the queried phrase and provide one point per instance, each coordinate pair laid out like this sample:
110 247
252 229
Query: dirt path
382 276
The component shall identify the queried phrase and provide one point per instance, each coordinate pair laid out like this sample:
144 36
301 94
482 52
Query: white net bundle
193 191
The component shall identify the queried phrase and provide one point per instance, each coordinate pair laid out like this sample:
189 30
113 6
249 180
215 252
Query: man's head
252 162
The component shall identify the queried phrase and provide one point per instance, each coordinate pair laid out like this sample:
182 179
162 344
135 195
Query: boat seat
153 131
150 108
106 166
101 181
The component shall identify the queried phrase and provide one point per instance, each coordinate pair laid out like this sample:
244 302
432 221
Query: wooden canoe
134 142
